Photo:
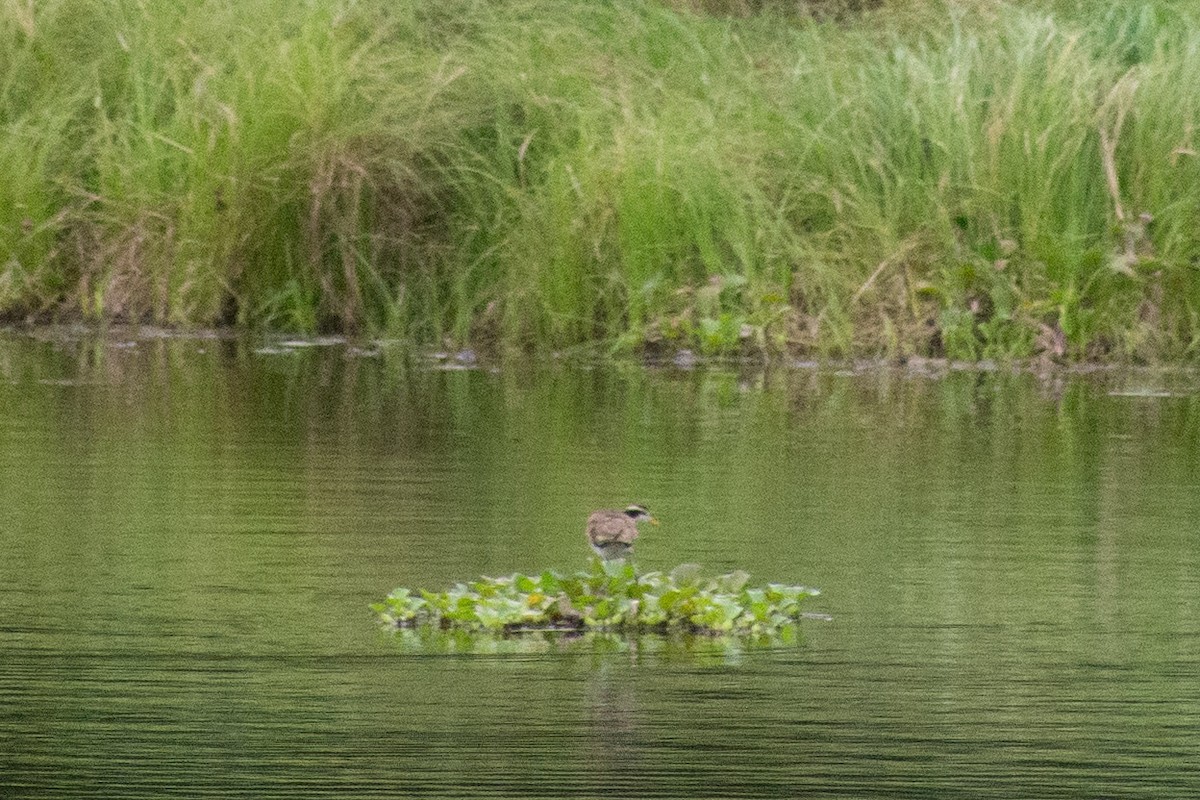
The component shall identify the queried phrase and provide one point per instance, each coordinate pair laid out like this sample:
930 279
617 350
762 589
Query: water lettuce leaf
607 596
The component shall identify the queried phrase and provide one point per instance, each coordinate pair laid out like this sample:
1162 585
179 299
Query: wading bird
611 531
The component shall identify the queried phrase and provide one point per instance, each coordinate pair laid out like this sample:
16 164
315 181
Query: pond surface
193 530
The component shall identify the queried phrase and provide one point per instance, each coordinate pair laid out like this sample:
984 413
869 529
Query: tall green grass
978 180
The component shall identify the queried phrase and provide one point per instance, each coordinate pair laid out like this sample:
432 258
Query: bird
611 531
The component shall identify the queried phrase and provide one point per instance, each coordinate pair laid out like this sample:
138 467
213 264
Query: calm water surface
192 532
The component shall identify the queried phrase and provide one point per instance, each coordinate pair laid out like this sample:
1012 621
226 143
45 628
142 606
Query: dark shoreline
684 359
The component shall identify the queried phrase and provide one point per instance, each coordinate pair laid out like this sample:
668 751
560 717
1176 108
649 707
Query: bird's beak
652 521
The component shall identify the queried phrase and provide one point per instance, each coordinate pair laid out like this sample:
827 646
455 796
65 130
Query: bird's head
639 513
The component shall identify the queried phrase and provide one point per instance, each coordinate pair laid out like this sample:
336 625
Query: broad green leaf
685 574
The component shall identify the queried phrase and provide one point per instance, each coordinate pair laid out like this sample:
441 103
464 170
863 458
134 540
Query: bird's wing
611 526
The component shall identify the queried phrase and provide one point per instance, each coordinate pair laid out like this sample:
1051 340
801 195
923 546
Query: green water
192 531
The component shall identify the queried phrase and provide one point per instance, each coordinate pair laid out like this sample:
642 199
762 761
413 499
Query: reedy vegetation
976 180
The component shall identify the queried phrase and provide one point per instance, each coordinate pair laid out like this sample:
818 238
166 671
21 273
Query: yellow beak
652 521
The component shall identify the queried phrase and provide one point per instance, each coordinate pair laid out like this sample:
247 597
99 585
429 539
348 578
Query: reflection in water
612 722
193 531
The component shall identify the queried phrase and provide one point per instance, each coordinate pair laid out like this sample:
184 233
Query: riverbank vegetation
968 179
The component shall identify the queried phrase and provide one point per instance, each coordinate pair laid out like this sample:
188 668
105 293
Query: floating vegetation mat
609 597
